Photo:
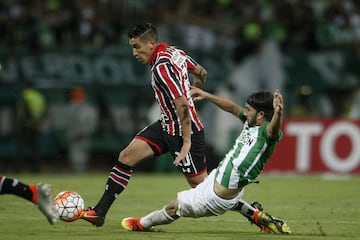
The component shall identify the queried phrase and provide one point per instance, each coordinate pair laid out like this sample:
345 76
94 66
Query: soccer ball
68 205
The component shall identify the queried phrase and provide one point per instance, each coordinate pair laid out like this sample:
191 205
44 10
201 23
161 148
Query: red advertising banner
318 146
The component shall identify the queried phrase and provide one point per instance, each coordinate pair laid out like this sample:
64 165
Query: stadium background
314 47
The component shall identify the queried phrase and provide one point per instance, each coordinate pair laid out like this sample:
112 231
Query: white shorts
202 201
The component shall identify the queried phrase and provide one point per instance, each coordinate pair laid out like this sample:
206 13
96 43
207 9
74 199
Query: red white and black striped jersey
170 68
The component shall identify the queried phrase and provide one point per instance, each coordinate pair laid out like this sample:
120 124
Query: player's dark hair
144 31
262 101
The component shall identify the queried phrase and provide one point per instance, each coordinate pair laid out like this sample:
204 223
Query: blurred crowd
223 25
254 35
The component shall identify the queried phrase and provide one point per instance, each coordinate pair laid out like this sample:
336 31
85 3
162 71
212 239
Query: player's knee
171 208
194 181
125 158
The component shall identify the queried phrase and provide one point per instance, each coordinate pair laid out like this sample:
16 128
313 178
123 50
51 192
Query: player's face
141 50
251 115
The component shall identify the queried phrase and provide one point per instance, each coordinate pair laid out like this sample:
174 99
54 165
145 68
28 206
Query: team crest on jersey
178 59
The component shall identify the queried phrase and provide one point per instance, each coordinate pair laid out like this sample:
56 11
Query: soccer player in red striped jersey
178 130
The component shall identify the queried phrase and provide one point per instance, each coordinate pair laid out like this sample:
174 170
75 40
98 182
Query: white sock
245 209
158 217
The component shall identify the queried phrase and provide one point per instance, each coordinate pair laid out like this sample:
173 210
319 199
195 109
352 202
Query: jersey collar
159 48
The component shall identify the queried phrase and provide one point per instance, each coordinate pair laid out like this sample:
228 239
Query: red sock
33 188
256 216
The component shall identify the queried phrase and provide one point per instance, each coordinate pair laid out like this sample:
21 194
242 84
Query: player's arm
200 75
225 104
182 108
274 126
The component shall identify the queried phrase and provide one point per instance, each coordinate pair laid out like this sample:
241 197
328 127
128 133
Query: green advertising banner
106 67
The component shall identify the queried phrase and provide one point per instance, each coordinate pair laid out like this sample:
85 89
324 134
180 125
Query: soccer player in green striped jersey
222 190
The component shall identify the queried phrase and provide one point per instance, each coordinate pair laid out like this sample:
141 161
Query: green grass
314 207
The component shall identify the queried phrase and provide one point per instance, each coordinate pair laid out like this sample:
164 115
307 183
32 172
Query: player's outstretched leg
248 210
267 223
133 224
146 223
117 181
44 201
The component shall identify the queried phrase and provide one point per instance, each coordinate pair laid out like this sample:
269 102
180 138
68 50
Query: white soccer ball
69 205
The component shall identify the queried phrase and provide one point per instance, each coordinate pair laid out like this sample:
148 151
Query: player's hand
278 101
183 152
197 94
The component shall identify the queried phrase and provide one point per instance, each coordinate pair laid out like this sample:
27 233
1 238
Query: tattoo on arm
199 77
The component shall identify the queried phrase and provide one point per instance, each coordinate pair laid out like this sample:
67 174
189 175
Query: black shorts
161 142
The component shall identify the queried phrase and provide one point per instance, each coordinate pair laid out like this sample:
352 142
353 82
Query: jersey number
185 163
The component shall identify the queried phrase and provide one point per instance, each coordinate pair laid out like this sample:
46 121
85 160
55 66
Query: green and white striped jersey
246 159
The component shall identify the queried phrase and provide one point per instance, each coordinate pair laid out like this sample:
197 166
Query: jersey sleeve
191 63
267 135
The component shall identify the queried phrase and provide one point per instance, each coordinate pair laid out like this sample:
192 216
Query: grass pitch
315 207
